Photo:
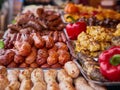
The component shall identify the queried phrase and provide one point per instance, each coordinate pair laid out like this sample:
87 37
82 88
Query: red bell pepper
109 61
74 29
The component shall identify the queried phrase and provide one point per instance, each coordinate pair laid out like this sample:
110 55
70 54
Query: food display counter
49 48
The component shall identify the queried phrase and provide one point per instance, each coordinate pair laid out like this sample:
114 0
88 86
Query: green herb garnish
1 44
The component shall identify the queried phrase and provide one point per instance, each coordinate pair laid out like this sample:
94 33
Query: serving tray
103 83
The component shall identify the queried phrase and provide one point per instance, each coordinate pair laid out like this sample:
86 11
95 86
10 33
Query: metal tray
103 83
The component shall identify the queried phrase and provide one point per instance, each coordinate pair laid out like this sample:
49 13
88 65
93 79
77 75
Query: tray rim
104 83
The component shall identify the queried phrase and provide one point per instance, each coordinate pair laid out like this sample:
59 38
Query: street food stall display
49 48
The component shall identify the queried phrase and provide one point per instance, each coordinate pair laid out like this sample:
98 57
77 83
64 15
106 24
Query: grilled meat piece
90 67
116 41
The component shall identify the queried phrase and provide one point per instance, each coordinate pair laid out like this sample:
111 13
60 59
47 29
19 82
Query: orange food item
71 8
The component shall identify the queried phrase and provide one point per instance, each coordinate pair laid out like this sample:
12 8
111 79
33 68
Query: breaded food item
63 76
50 75
25 74
3 70
81 84
64 85
4 82
26 84
37 78
37 75
50 79
72 69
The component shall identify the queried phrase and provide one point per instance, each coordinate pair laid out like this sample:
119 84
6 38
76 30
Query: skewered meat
38 41
7 57
24 48
72 69
48 41
32 56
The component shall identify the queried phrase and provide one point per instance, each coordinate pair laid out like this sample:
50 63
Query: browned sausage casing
32 56
38 41
42 56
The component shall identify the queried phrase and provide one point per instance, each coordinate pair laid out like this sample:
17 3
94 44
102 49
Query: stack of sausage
36 39
36 79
